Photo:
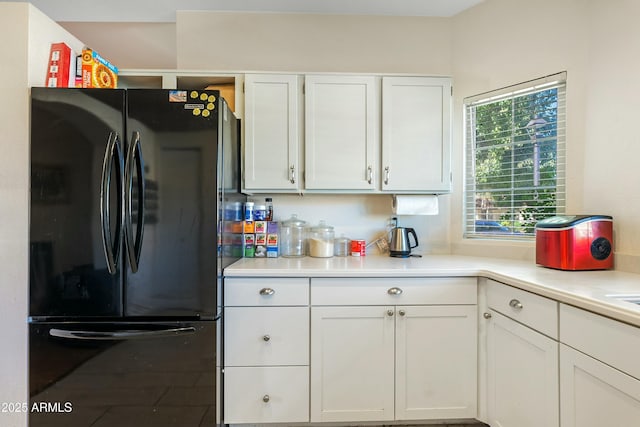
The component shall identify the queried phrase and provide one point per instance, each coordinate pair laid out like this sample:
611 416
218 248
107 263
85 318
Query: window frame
470 189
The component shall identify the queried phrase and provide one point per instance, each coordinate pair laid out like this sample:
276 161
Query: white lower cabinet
274 394
435 362
393 362
522 375
594 394
599 370
521 362
352 353
266 351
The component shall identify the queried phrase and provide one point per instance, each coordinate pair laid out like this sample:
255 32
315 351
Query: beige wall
14 21
28 35
612 123
129 44
502 42
229 41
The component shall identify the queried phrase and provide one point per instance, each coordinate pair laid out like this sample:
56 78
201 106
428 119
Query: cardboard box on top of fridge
61 66
97 72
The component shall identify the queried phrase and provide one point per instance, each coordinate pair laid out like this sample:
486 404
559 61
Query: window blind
515 158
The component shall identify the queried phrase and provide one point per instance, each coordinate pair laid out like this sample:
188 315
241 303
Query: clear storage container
293 237
342 246
321 241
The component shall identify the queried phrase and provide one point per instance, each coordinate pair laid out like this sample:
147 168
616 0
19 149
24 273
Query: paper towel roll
415 205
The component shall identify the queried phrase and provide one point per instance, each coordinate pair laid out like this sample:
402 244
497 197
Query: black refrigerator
128 244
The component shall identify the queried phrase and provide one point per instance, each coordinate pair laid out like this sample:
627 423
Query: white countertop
584 289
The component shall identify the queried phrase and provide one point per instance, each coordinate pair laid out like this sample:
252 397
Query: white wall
27 35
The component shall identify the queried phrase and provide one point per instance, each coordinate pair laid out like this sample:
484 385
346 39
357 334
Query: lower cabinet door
352 353
436 363
266 394
522 375
594 394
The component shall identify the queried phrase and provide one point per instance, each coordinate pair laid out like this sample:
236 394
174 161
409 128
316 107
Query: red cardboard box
59 67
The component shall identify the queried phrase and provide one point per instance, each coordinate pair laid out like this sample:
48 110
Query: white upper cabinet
341 132
272 133
416 134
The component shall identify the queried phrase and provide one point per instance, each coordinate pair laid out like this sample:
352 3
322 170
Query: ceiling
165 10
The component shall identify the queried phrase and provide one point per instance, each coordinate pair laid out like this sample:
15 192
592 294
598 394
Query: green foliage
516 159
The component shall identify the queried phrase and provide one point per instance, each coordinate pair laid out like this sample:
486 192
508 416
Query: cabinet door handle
487 315
266 398
389 313
514 303
394 291
267 291
266 338
369 174
402 312
386 175
292 174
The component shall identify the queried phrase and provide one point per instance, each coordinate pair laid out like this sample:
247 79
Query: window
515 158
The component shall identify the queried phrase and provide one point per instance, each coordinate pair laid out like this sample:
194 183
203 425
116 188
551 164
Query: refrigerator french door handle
120 335
110 245
134 163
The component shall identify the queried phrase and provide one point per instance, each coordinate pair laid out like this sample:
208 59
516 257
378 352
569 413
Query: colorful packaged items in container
260 239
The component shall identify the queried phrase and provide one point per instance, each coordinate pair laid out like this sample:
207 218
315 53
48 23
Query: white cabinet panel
538 312
341 132
352 354
394 291
259 336
269 291
522 375
436 365
612 342
594 394
266 395
416 134
272 140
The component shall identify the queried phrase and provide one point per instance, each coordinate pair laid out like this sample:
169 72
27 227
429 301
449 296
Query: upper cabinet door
341 132
272 132
416 134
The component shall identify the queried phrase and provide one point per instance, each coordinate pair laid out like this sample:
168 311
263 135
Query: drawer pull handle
394 291
487 315
267 291
402 312
266 398
266 337
389 313
514 303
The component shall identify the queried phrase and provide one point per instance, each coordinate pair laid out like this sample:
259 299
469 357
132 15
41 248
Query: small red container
575 242
358 247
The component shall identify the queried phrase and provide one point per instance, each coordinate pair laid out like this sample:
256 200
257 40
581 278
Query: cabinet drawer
537 312
260 336
393 291
614 343
266 395
266 292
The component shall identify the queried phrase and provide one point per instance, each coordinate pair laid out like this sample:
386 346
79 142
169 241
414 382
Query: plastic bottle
269 206
248 211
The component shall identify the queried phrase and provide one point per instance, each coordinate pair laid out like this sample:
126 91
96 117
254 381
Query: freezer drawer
122 374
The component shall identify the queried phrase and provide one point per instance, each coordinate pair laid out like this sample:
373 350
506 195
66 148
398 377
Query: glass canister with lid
293 237
321 240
